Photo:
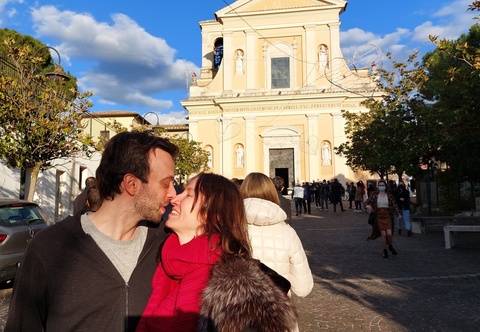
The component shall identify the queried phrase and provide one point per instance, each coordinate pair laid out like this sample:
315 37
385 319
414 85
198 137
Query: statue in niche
239 155
239 63
322 57
326 154
210 157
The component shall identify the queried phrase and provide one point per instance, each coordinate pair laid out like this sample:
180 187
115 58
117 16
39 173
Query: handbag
372 217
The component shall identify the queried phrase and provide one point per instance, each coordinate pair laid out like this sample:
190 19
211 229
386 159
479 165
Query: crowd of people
389 201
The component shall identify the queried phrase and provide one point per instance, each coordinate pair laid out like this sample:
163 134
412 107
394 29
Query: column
313 148
251 62
338 162
250 151
335 40
311 55
228 61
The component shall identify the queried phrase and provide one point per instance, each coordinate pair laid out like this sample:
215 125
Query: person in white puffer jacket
274 242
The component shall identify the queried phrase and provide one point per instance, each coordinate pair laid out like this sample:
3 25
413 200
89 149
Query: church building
271 88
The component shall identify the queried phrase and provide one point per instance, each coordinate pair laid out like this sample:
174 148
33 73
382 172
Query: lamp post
429 189
57 75
156 115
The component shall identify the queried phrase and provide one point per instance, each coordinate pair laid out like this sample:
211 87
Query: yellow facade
271 89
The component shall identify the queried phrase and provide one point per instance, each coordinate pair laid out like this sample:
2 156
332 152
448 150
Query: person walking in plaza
351 195
307 198
297 196
359 194
286 205
402 196
316 194
93 272
324 195
383 204
336 191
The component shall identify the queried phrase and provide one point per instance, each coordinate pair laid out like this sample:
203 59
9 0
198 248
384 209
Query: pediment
252 6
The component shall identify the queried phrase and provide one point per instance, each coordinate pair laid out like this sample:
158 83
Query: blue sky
138 55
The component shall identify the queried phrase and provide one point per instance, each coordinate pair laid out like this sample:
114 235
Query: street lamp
57 75
156 115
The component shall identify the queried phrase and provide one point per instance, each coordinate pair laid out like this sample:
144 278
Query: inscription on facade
279 108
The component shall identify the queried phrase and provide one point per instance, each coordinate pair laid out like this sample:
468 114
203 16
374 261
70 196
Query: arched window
218 53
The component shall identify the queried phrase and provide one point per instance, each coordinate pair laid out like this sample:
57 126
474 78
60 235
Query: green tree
38 119
454 78
381 141
192 158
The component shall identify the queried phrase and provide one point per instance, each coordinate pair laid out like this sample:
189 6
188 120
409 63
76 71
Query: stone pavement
424 288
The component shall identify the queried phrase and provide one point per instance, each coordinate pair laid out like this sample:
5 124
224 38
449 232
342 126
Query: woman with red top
208 222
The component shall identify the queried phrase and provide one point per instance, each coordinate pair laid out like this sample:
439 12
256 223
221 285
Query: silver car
19 221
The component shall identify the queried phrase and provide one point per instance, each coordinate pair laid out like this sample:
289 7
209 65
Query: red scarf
178 283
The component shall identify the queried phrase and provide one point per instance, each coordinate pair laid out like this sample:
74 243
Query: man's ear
130 184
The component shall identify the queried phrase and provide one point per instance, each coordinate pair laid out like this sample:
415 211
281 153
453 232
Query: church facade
271 90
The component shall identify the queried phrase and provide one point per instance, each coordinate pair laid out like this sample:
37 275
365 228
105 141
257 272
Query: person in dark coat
285 204
307 198
402 196
336 192
351 194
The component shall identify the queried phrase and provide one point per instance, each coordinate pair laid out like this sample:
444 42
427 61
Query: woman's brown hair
224 213
260 186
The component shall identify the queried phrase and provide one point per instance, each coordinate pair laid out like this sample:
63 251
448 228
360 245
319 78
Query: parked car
19 221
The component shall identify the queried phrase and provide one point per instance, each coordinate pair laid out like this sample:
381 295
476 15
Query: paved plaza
424 288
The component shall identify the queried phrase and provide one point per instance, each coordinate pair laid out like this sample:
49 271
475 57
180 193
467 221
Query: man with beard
94 271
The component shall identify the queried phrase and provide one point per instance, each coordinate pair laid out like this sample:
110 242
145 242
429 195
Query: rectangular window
280 73
105 134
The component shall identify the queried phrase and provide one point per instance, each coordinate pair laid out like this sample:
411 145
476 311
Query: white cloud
4 3
175 117
355 39
448 22
10 12
127 65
